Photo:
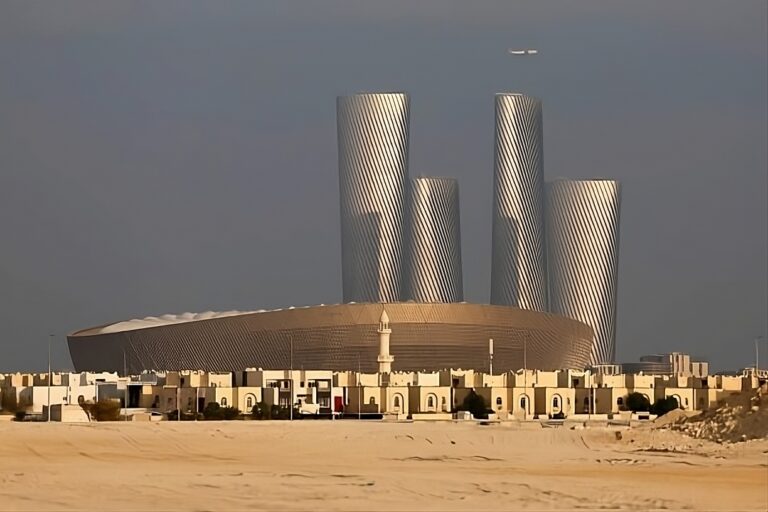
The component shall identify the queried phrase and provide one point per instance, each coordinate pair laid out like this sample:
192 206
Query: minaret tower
385 360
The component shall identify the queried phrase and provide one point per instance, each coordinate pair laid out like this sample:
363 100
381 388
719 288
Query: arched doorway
557 404
397 403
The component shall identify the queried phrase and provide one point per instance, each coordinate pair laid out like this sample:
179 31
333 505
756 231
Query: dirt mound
673 416
741 418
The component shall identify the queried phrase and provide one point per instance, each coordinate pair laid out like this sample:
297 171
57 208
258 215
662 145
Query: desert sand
350 465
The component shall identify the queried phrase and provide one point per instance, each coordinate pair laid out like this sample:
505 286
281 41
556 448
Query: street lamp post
757 355
50 339
359 389
525 375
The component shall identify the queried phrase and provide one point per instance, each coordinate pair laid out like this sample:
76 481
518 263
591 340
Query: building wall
518 260
373 172
583 257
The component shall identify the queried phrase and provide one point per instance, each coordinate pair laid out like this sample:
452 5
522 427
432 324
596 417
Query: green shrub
19 415
260 411
664 405
104 410
230 413
475 404
213 411
637 402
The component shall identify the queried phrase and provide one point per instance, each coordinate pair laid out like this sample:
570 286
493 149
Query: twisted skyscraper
373 174
518 264
432 263
583 257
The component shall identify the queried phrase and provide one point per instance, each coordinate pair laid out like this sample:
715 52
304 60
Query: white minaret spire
385 360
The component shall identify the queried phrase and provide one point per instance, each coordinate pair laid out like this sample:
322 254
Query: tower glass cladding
583 256
432 262
373 174
518 261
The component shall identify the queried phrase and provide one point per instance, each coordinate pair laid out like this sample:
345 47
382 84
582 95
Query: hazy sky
162 157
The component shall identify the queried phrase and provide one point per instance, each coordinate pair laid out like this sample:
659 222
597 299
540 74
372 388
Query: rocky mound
739 418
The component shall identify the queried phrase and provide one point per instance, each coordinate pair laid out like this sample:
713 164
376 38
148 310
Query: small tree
260 411
664 405
475 404
229 413
213 411
637 402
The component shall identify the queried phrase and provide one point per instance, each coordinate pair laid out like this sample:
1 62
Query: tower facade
373 174
583 257
432 262
518 260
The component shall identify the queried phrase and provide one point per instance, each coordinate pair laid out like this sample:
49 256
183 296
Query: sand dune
346 465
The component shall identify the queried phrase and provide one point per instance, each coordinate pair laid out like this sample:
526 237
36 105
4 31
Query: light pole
178 399
525 375
125 392
50 339
757 355
359 389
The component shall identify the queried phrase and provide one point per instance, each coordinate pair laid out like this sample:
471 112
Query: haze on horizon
181 156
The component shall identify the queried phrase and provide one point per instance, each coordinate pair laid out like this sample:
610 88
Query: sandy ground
346 465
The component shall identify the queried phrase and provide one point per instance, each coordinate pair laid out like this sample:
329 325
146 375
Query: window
620 401
430 402
556 402
301 384
575 382
223 401
372 401
498 400
397 401
249 402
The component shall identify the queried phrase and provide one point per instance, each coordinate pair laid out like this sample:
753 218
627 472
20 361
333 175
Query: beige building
523 395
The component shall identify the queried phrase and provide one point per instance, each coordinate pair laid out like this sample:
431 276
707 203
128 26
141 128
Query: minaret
385 360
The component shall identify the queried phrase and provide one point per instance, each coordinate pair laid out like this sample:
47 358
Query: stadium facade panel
341 337
373 176
432 262
518 258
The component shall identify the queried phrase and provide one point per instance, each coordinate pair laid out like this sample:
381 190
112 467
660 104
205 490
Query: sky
163 157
